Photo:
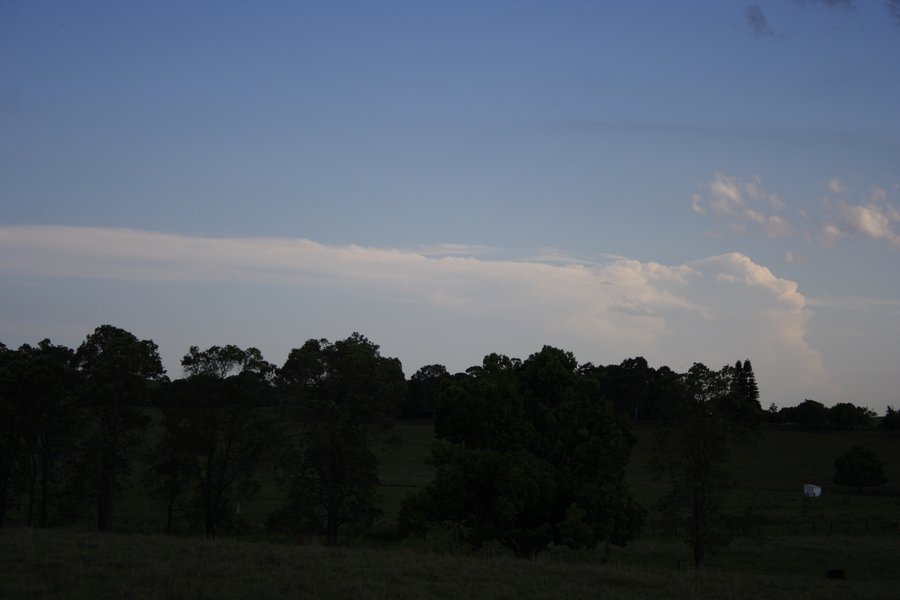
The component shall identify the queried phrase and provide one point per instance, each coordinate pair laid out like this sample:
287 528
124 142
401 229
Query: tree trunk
32 487
106 499
210 523
5 471
700 525
209 511
3 499
333 509
207 486
109 466
170 517
106 493
331 529
45 484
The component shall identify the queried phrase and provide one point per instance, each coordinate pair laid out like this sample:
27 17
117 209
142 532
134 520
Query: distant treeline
810 414
527 453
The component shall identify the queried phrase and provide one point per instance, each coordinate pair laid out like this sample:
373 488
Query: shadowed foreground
66 564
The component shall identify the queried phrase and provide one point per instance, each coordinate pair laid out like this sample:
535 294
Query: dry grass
70 565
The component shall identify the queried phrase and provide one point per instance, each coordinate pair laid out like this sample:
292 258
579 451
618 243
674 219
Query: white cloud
873 221
870 220
831 234
879 194
891 307
715 310
742 203
697 204
455 250
835 186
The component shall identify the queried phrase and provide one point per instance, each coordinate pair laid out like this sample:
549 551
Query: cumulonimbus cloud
713 310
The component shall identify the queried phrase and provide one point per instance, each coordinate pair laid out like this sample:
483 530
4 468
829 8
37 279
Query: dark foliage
528 454
422 391
891 420
809 414
335 392
848 416
115 368
216 438
706 411
859 468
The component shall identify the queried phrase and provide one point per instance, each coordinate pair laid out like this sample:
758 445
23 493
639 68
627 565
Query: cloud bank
715 310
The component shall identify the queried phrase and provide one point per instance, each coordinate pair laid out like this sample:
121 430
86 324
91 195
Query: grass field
73 565
787 547
769 471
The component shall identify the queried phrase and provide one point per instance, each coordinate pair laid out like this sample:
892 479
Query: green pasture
79 565
784 547
769 469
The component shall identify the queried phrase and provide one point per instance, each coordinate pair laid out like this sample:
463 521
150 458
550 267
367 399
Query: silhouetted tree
771 415
749 387
626 385
422 391
216 433
336 391
891 420
115 367
529 454
38 424
10 437
845 415
692 444
859 468
173 467
633 387
809 414
740 402
50 417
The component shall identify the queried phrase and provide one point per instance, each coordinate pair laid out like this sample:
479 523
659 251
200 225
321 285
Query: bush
859 468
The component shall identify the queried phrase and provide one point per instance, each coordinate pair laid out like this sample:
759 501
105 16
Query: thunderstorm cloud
714 310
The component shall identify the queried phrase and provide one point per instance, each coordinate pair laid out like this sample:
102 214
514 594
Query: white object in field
811 491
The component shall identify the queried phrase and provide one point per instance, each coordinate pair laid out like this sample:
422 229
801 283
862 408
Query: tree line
810 414
528 453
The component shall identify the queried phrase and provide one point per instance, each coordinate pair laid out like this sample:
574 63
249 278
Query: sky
700 181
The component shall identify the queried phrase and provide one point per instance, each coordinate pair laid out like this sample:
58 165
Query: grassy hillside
71 565
787 547
769 471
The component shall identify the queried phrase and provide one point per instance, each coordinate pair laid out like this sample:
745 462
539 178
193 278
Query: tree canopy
705 410
335 391
859 468
529 454
115 368
215 435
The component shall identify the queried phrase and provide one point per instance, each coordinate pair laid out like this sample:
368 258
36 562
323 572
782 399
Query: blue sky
694 181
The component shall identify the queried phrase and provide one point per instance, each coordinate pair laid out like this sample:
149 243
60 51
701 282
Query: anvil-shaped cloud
715 310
